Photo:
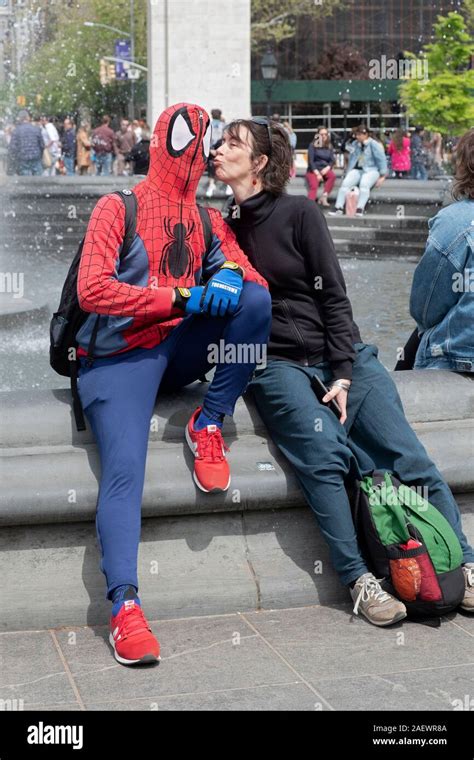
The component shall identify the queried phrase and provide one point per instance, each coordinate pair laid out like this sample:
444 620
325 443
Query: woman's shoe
467 603
374 603
323 201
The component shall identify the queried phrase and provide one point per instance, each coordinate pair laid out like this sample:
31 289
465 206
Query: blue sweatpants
118 395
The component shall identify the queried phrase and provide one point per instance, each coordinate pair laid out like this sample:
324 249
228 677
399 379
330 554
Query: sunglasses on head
263 122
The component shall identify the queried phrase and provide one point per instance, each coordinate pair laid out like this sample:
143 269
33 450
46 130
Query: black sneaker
336 212
360 212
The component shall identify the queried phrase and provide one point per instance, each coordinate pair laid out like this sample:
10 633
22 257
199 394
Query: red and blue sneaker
131 635
211 469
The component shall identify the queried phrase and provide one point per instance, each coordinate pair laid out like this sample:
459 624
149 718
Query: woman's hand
318 174
340 394
380 181
325 170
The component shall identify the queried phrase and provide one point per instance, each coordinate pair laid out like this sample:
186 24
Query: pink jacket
401 161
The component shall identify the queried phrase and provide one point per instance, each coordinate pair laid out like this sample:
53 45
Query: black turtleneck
287 240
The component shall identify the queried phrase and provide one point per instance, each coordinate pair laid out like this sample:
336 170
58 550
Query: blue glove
222 291
189 299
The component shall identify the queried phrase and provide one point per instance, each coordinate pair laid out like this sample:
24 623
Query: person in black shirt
313 337
140 154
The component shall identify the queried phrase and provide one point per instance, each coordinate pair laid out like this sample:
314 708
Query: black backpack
69 318
408 542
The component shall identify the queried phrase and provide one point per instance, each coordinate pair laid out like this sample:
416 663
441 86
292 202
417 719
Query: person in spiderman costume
156 324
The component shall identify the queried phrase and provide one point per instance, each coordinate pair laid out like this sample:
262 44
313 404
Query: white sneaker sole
384 624
201 487
147 658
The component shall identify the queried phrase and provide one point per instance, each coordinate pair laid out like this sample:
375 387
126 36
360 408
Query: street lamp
269 69
345 103
106 26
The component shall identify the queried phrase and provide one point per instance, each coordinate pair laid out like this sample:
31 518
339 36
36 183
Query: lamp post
345 103
269 69
106 26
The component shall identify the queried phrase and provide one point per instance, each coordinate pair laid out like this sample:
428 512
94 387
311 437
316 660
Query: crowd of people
37 146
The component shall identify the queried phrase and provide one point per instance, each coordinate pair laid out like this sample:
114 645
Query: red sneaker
211 469
131 636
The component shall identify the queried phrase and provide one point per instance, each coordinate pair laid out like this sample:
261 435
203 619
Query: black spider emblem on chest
177 256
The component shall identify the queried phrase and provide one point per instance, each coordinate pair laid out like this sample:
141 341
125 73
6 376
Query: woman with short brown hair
314 339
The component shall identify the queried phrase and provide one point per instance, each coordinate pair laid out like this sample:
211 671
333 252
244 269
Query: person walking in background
436 146
83 141
103 143
137 130
399 152
419 156
320 166
52 144
442 294
139 156
124 142
68 143
367 168
26 147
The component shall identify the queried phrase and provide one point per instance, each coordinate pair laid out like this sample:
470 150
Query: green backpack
407 541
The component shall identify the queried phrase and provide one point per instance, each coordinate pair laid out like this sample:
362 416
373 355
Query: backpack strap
76 400
129 200
206 226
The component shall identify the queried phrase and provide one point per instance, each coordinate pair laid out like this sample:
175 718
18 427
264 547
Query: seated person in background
367 167
320 166
442 294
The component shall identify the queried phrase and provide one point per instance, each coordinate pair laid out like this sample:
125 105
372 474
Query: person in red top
104 146
399 150
159 311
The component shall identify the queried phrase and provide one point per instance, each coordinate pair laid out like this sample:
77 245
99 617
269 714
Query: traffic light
103 72
106 72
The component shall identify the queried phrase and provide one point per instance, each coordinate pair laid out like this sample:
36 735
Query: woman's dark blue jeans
376 435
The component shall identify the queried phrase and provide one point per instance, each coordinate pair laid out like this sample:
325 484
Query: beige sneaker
374 603
467 603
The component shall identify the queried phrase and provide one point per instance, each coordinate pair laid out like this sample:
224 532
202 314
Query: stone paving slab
321 642
312 658
32 670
